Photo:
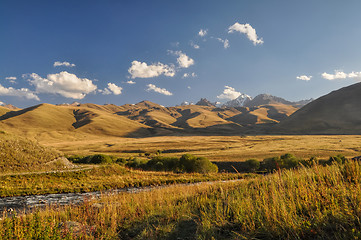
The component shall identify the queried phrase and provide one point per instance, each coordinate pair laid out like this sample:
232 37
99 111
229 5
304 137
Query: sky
169 52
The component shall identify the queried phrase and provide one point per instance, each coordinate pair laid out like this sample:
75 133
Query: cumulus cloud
248 30
183 60
63 83
341 75
203 32
116 90
152 87
11 79
143 70
22 92
131 82
229 93
224 41
304 77
66 64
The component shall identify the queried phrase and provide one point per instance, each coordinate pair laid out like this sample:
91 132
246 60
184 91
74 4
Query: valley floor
216 148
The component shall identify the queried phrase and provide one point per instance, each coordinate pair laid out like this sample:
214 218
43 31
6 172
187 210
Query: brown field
217 148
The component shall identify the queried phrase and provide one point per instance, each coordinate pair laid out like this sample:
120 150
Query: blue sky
175 51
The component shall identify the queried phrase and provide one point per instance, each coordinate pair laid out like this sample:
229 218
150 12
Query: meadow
98 178
215 148
322 202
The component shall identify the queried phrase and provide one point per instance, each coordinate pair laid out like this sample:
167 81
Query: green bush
136 163
159 163
191 163
287 161
340 159
92 159
252 165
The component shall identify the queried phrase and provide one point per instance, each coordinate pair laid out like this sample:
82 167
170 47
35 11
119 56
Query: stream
25 203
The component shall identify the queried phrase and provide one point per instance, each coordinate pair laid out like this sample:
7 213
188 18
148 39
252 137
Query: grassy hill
338 112
47 122
22 155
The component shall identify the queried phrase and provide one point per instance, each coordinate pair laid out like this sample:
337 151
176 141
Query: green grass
315 203
103 177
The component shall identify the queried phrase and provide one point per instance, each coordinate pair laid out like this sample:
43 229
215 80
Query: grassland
315 203
217 148
97 178
20 155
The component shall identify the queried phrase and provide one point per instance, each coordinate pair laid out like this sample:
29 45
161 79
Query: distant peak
239 101
205 102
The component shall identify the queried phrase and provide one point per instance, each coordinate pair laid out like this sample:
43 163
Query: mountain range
336 113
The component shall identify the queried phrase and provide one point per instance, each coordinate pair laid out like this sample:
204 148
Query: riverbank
321 202
100 178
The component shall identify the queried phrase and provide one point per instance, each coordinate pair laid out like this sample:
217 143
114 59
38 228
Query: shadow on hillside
230 129
12 114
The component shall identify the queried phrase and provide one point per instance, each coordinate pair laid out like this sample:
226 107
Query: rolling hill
22 155
338 112
80 121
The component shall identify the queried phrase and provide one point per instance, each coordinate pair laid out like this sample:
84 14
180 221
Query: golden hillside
338 112
72 122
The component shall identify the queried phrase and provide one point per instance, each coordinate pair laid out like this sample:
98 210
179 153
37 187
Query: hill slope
338 112
68 122
21 155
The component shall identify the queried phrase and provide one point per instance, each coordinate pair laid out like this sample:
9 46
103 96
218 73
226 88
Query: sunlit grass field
308 203
216 148
98 178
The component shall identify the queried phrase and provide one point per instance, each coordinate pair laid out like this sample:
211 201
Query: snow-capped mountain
238 102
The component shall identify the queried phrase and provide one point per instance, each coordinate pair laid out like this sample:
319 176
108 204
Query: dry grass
98 178
20 155
218 148
317 203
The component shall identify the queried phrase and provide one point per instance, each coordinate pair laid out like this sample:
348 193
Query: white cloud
304 77
131 82
341 75
66 64
115 89
185 75
105 91
195 46
248 30
224 41
203 32
22 92
152 87
11 79
63 83
183 60
229 93
189 87
143 70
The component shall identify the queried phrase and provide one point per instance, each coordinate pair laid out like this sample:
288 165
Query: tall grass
315 203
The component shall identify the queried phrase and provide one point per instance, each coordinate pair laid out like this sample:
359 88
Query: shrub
92 159
159 163
285 161
191 163
136 163
76 158
252 165
340 159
